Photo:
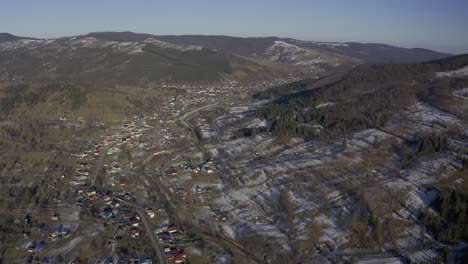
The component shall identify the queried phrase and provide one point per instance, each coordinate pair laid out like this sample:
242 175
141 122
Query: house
182 192
177 235
171 229
179 258
160 228
106 204
171 254
135 222
107 197
26 234
219 215
136 216
165 236
145 260
32 246
150 212
120 182
107 212
171 171
61 231
176 255
55 217
39 246
134 233
92 190
115 204
200 190
94 196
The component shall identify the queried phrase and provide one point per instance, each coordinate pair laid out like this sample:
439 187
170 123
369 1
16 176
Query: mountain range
134 58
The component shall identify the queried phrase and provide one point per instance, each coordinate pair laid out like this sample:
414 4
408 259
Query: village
236 132
177 185
111 200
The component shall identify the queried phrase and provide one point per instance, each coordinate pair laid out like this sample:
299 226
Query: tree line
449 225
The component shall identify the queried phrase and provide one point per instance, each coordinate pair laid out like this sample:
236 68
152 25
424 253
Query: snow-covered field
282 51
461 93
460 72
260 172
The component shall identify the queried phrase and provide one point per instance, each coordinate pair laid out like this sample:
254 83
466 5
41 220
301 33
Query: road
183 121
154 243
189 115
162 193
99 164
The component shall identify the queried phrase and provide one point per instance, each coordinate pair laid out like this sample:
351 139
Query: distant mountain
377 53
371 53
373 76
134 58
87 59
6 37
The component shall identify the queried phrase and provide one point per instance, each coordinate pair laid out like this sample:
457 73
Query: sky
441 25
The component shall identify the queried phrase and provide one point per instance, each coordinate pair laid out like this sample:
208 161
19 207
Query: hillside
91 60
7 37
365 97
123 147
126 62
367 52
130 58
371 160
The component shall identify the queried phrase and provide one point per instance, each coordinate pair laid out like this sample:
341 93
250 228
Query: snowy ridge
285 52
281 51
323 43
332 44
92 42
326 104
460 72
163 44
30 43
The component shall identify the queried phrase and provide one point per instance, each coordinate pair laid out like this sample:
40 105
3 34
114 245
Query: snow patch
281 51
322 105
163 44
460 72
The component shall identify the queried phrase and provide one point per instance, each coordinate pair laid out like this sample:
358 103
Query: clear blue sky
436 24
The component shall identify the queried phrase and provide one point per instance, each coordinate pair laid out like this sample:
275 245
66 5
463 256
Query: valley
296 156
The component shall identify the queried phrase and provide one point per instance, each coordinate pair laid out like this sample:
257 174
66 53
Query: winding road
154 243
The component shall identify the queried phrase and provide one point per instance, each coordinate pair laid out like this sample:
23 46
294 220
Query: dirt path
154 243
67 247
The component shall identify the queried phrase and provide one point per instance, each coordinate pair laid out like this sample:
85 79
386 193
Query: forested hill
135 59
365 97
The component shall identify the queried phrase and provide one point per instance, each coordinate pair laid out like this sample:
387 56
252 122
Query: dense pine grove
300 117
366 97
450 224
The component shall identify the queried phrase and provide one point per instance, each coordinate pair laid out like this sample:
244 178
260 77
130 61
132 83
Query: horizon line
243 37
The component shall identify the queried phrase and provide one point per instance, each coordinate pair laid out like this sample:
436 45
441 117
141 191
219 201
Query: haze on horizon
432 24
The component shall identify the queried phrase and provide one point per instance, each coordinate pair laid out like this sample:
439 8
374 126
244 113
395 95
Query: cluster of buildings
113 207
194 167
170 237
